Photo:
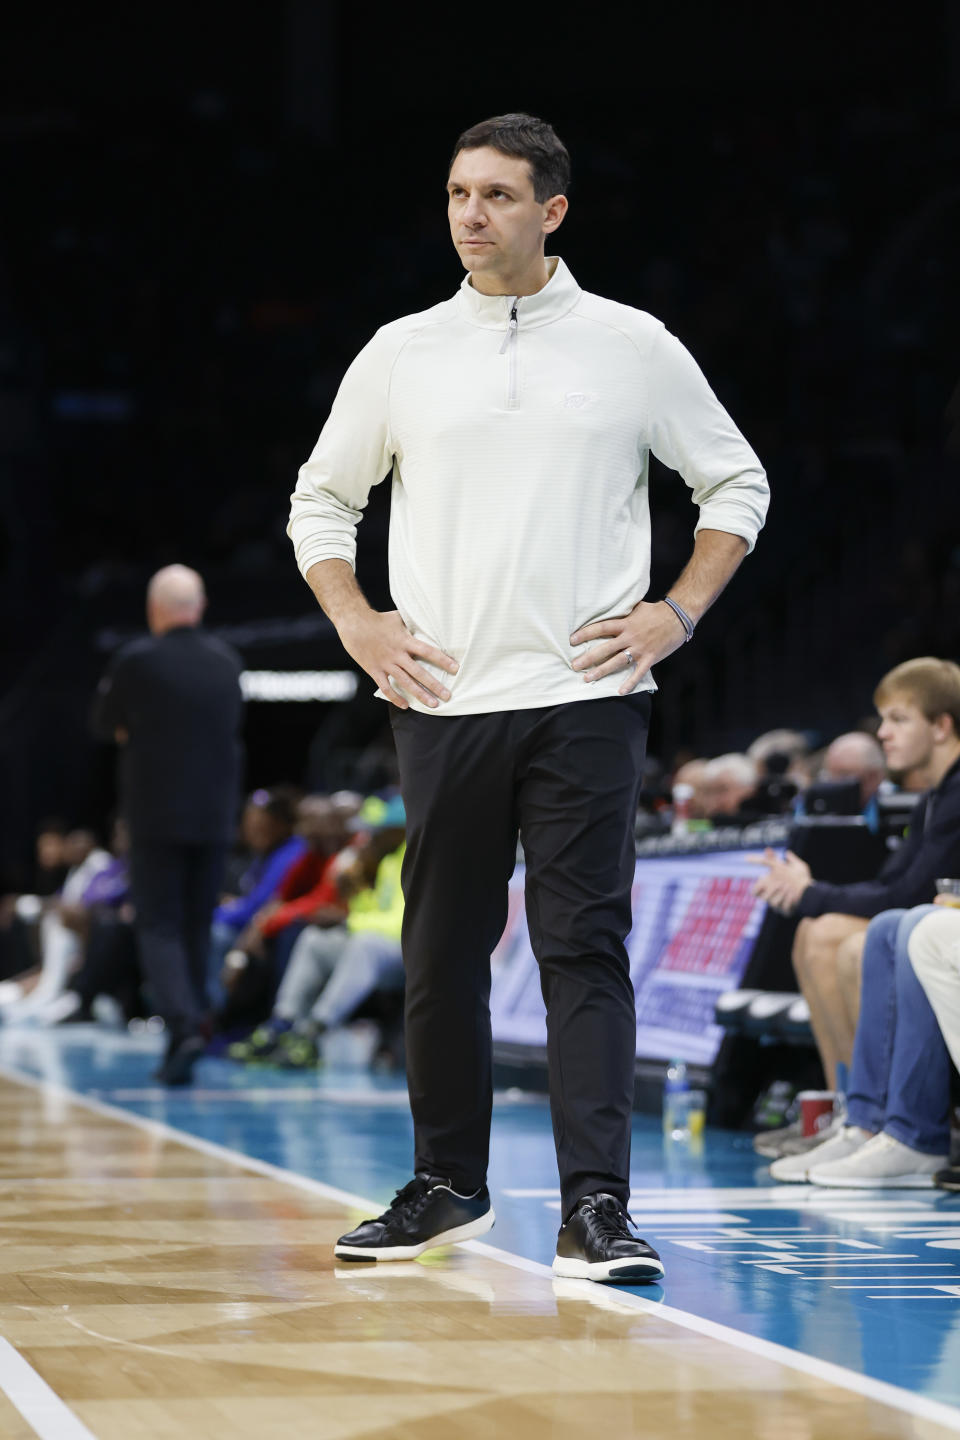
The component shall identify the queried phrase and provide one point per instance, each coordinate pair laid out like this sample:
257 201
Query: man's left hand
647 635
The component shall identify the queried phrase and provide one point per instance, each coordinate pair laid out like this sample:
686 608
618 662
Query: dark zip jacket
931 850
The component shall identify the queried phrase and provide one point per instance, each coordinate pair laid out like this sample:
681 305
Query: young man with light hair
516 420
919 707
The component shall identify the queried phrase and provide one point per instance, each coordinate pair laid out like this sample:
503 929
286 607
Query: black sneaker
948 1178
597 1243
258 1046
426 1213
181 1056
296 1052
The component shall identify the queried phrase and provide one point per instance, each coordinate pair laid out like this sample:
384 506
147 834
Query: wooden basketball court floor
166 1269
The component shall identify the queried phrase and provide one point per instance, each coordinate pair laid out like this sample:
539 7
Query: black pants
175 888
567 779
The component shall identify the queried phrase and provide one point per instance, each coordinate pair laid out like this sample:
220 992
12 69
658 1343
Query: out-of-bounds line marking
286 1094
825 1370
865 1385
40 1406
280 1095
163 1131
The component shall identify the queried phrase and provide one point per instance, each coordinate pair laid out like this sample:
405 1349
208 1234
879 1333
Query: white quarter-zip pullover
517 432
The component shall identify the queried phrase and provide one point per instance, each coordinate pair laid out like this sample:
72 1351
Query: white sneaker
841 1141
880 1164
55 1012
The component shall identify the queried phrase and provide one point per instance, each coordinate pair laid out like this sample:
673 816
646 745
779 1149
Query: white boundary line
877 1390
40 1406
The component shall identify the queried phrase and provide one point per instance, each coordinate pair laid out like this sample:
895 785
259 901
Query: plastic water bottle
682 804
675 1085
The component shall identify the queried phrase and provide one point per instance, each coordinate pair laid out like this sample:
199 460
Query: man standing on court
173 703
516 419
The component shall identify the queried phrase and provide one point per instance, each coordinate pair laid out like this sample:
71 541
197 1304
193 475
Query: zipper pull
512 326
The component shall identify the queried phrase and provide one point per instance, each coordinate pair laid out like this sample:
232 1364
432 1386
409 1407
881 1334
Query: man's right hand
785 880
382 646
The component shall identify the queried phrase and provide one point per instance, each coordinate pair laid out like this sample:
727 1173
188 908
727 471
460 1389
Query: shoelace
881 1142
411 1200
611 1222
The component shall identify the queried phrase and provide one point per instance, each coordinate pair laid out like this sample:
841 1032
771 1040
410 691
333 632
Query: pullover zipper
509 347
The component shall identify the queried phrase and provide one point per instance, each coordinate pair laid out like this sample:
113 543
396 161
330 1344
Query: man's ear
553 213
943 728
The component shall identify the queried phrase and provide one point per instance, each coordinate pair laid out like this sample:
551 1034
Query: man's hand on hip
383 646
630 643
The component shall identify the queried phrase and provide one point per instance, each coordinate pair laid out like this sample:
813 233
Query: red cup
816 1110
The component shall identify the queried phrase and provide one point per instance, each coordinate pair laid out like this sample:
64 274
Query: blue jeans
222 938
900 1075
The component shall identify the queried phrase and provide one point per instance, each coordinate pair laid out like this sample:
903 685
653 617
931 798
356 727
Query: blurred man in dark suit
173 703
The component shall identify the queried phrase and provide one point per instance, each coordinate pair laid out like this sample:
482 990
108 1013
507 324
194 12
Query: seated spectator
896 1132
107 987
776 792
729 783
308 895
267 829
109 964
934 949
334 968
854 756
693 773
919 707
62 929
51 853
20 912
776 746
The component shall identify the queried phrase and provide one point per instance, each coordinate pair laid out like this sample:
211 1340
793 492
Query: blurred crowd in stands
304 958
306 934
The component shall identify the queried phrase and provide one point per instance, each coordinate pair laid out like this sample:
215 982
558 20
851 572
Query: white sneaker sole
797 1169
800 1178
410 1252
624 1272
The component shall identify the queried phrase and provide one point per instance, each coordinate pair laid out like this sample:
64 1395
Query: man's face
50 849
261 831
321 825
842 762
496 224
905 733
723 795
77 846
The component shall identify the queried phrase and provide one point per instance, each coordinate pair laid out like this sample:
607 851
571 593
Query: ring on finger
629 658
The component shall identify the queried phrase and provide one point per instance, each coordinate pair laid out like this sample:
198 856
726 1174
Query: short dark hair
280 802
526 138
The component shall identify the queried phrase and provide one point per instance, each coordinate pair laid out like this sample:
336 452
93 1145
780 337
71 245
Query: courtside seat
765 1014
731 1005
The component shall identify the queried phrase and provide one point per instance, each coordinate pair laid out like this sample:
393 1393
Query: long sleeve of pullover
519 461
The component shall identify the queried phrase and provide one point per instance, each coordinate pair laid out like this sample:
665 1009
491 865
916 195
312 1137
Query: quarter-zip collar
492 312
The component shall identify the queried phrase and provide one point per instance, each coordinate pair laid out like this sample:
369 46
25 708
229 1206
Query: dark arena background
206 211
